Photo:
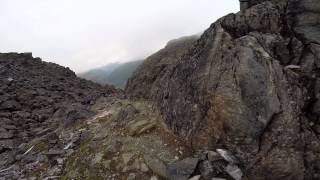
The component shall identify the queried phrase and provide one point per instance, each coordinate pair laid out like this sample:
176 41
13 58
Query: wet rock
182 170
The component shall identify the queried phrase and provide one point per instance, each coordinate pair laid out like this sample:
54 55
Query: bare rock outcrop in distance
249 84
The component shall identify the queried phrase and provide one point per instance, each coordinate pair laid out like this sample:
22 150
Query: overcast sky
84 34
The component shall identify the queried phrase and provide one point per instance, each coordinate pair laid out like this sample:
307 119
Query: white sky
84 34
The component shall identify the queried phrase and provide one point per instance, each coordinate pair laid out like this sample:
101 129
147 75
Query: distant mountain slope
114 74
148 77
99 74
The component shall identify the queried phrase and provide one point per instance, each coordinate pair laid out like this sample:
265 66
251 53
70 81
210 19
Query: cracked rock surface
249 84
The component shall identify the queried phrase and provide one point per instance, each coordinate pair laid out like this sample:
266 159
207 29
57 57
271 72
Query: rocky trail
59 132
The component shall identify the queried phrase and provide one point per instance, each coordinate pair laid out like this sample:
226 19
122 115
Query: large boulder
249 84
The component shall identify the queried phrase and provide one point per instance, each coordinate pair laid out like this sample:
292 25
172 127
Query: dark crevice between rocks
267 129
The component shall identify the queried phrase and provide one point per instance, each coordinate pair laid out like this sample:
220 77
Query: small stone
144 167
292 67
228 156
98 157
107 164
60 161
195 177
131 176
126 157
154 178
139 127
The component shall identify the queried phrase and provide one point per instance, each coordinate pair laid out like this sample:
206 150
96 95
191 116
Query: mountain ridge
242 101
115 73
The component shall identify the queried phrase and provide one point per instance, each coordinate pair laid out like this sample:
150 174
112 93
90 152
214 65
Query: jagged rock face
250 84
148 78
36 97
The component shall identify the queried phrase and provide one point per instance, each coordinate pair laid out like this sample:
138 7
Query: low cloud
84 34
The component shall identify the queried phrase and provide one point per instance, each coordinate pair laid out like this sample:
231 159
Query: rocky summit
239 102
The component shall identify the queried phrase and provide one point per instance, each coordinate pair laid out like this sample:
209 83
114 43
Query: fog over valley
83 34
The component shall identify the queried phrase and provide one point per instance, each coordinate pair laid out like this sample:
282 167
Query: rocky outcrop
152 73
36 98
249 85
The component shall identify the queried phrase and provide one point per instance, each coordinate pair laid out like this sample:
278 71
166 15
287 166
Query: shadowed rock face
249 84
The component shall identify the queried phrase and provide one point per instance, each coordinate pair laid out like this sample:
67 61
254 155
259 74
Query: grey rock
4 134
150 76
126 157
234 172
10 105
214 156
137 127
195 177
209 169
156 165
38 98
54 152
228 156
154 178
131 176
231 87
127 113
182 170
